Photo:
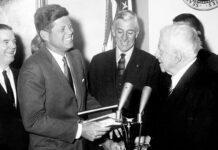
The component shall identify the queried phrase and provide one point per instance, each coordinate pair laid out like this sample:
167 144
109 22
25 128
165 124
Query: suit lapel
133 67
56 68
112 67
185 80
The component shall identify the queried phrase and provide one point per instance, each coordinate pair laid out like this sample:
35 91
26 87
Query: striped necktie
121 64
67 73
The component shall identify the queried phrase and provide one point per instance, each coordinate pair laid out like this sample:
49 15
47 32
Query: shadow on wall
79 39
20 55
141 35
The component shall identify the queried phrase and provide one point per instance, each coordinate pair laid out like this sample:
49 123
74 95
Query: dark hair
46 15
5 27
36 44
193 21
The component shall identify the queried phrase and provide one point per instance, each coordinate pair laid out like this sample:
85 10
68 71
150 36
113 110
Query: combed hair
5 27
126 15
46 15
193 21
182 38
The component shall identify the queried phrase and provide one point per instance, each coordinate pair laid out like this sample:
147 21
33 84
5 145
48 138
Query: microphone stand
125 122
145 145
129 122
139 118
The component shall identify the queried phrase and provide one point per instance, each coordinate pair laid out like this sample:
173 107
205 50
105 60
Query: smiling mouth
11 52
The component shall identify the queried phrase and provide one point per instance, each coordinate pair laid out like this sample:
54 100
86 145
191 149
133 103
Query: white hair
182 38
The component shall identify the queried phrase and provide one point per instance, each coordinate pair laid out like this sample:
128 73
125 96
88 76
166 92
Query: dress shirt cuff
79 131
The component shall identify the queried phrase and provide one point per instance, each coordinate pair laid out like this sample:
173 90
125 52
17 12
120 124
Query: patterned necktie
170 90
67 73
8 87
121 64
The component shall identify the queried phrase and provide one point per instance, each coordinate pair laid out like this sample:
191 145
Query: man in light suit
140 68
12 133
188 116
52 87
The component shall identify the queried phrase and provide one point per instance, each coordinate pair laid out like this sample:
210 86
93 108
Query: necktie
67 73
170 90
8 87
121 64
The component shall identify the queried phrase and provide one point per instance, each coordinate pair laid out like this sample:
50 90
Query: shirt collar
127 54
56 55
58 58
175 78
7 69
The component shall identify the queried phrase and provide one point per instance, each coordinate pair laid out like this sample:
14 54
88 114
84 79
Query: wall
162 12
141 8
19 15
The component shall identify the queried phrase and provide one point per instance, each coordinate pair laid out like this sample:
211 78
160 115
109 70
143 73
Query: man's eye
119 31
130 32
6 42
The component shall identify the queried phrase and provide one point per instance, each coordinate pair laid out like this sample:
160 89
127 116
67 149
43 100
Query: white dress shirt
175 78
127 55
59 59
12 82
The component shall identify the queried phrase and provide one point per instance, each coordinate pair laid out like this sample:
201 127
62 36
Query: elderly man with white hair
187 118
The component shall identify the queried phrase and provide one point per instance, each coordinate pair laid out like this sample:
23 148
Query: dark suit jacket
142 69
209 58
48 104
12 134
188 117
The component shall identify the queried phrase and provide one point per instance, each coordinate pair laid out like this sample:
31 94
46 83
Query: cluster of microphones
146 92
127 88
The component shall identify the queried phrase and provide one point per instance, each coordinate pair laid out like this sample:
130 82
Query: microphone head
124 95
123 98
146 92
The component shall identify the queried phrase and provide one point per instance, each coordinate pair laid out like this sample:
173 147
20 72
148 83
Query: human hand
93 130
118 132
144 142
111 145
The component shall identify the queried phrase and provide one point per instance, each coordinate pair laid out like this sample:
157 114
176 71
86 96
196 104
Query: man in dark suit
108 73
52 87
188 115
12 134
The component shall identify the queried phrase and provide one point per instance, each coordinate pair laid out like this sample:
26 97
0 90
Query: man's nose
69 29
12 44
125 36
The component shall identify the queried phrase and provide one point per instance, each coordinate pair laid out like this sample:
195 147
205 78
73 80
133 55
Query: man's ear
136 35
44 35
113 32
178 57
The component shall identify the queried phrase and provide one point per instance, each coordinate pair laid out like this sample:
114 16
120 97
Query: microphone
146 92
123 98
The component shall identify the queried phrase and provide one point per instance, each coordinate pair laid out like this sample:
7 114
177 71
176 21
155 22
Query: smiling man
12 134
109 70
52 87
